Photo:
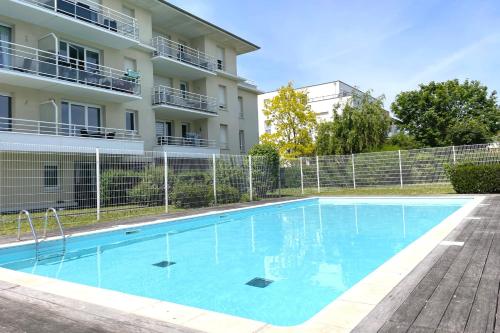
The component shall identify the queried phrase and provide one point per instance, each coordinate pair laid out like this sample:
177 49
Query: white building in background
322 98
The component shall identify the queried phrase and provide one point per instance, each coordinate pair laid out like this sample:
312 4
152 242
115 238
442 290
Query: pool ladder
33 231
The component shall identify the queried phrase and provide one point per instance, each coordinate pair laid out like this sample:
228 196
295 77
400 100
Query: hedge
475 178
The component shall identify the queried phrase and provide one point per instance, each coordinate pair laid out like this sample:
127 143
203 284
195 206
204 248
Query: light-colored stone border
342 315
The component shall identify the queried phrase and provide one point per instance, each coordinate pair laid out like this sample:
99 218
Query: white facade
322 99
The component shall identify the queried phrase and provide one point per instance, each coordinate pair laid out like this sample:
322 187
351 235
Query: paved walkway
455 289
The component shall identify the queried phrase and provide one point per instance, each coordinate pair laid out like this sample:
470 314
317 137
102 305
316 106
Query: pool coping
341 315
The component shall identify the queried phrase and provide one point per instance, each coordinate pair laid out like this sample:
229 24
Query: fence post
215 179
400 169
317 173
454 155
165 164
353 172
98 182
279 176
250 176
301 176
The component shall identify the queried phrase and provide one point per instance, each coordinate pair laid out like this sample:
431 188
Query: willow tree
362 126
293 122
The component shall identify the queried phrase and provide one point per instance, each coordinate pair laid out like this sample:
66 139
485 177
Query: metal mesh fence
87 185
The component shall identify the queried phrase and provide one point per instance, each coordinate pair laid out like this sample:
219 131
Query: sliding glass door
5 113
80 119
5 39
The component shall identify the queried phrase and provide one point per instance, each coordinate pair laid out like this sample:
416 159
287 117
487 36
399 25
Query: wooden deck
455 289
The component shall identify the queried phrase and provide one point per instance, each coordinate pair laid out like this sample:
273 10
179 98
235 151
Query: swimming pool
278 264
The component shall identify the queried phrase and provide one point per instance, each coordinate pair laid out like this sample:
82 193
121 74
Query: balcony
183 104
43 70
82 18
33 135
173 59
189 145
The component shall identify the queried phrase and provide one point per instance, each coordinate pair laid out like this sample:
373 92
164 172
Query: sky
386 46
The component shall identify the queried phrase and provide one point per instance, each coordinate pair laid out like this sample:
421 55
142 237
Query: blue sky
387 46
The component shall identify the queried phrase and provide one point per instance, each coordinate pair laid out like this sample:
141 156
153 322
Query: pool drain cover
259 282
164 264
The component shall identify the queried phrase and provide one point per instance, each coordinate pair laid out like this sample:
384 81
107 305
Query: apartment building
113 74
322 99
116 75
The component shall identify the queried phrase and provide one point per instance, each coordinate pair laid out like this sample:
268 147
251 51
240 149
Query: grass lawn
71 218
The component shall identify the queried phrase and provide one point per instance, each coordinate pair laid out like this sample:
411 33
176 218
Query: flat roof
318 84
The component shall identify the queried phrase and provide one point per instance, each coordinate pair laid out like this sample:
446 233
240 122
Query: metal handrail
93 13
185 141
53 210
21 213
48 64
37 127
165 47
172 96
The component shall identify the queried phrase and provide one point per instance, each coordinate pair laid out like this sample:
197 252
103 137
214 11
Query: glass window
4 46
242 141
51 176
130 120
80 119
221 53
223 136
240 104
222 97
93 117
5 113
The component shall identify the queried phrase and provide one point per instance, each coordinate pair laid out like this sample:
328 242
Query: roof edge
209 24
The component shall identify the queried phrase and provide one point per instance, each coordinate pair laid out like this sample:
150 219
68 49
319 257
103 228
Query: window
74 56
5 38
184 130
242 141
131 120
240 104
222 98
163 132
221 55
223 136
184 87
5 113
80 119
51 177
129 64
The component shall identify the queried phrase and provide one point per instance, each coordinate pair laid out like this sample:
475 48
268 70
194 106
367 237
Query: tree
361 126
445 113
293 122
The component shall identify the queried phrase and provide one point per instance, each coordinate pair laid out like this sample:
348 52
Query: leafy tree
362 126
293 122
444 113
265 168
401 141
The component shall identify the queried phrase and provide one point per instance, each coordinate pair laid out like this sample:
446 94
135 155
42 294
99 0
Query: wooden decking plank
458 310
482 315
394 327
434 309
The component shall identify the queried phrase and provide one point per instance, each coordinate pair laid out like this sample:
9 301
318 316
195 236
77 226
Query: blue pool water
312 250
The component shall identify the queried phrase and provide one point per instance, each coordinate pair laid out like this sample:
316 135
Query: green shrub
475 178
192 195
151 189
265 168
115 185
227 194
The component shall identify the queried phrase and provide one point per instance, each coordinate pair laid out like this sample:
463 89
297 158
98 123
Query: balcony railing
15 125
163 95
93 13
46 64
186 142
168 48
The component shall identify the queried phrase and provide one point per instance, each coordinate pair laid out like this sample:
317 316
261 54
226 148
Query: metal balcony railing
190 141
168 48
163 95
93 13
46 64
36 127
